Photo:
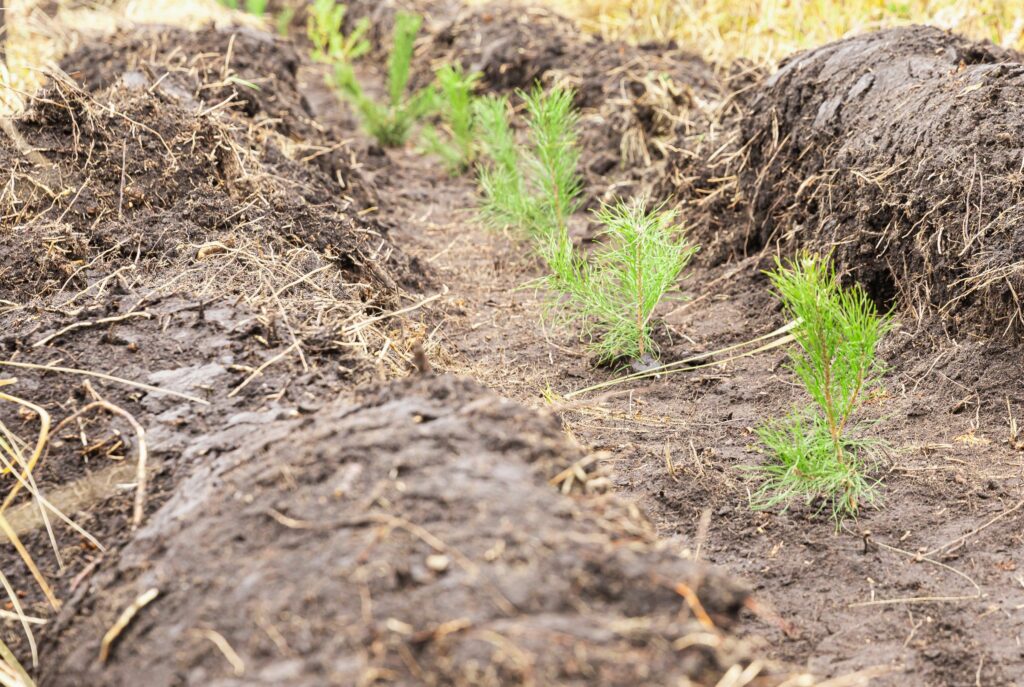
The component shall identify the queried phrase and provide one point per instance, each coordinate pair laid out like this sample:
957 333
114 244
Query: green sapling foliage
456 108
330 44
257 7
613 296
817 452
283 21
505 200
556 154
390 123
534 188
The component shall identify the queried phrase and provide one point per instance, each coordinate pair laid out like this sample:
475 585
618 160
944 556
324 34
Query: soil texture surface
312 426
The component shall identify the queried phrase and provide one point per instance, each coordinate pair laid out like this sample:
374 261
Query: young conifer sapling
324 29
820 452
458 147
534 188
392 122
613 295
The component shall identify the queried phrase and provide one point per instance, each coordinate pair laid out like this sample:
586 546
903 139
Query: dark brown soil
414 537
899 151
408 532
150 236
249 73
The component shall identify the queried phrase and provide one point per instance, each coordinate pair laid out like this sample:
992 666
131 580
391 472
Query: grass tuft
766 31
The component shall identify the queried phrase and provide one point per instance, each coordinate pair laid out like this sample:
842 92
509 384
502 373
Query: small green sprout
456 108
283 21
817 452
324 29
534 189
613 296
390 124
256 7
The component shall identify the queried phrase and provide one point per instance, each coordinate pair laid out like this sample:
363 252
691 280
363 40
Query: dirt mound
155 236
901 151
132 175
633 98
701 172
413 537
250 75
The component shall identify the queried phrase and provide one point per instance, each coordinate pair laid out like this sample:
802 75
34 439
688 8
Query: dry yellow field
768 30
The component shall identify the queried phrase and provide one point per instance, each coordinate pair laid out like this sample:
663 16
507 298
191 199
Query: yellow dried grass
766 31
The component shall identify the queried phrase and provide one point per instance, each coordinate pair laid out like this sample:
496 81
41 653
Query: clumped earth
151 236
412 538
197 212
899 151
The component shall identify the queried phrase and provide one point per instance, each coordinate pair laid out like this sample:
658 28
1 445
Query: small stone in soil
644 363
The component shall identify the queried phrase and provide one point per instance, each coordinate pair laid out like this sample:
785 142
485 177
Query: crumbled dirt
251 74
150 236
701 173
413 536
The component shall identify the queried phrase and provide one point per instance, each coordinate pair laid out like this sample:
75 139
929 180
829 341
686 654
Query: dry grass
765 31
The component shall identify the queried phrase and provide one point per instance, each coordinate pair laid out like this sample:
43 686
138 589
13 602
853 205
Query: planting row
530 184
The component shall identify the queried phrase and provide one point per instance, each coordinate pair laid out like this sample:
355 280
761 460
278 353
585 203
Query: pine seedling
324 29
456 108
256 7
613 296
283 21
536 188
390 124
505 200
553 122
816 452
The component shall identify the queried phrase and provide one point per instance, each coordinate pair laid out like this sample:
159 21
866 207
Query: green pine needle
324 29
456 104
533 190
556 154
407 27
613 296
